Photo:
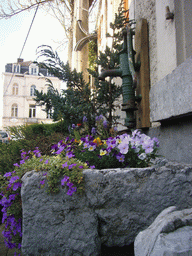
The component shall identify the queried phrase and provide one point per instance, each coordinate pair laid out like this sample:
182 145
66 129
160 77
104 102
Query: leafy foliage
53 171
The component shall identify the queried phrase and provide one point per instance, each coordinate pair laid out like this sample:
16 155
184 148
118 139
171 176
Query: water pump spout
110 73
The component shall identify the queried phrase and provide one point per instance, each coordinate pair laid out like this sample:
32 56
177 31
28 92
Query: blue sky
13 31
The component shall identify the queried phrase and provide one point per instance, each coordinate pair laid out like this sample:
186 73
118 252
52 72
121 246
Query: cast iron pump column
127 73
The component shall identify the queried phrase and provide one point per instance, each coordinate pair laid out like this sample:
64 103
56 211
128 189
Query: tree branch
22 8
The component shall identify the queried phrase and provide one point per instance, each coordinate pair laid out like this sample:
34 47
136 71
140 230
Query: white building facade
20 80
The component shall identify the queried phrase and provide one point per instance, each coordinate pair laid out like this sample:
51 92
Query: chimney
20 60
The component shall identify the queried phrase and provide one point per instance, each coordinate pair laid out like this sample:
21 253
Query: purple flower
86 145
64 165
148 145
156 141
93 130
16 186
65 179
81 167
71 191
69 129
41 160
92 166
73 126
70 166
120 157
42 182
16 164
54 147
84 119
46 162
97 118
12 197
61 148
13 179
37 152
123 147
69 184
105 123
7 174
69 155
22 161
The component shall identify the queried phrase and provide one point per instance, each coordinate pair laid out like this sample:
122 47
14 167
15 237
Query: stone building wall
147 9
170 51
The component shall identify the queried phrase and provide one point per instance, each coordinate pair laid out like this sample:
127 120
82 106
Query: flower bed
70 157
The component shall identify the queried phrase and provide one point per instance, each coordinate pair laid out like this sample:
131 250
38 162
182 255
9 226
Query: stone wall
116 206
146 9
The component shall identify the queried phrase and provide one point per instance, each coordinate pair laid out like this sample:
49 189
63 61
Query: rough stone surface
170 234
171 96
116 206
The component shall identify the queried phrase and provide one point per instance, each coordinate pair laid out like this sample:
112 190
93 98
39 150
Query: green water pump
127 73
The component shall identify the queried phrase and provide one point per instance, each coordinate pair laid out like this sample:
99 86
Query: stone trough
116 206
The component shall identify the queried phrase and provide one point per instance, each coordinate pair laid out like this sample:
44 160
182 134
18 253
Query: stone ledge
171 96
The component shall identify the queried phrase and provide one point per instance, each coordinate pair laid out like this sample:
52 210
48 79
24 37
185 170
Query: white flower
142 156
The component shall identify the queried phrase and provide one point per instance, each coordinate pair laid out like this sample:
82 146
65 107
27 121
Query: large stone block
117 204
171 96
170 234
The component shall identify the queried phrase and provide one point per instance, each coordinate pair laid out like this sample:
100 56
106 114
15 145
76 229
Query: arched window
32 90
15 89
14 110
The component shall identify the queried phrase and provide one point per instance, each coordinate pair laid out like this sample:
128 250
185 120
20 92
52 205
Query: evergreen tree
79 99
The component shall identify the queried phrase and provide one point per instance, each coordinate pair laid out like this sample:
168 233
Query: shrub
28 131
10 153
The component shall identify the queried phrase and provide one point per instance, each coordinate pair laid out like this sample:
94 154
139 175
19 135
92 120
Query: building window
49 114
15 89
14 110
16 68
32 90
33 69
32 111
